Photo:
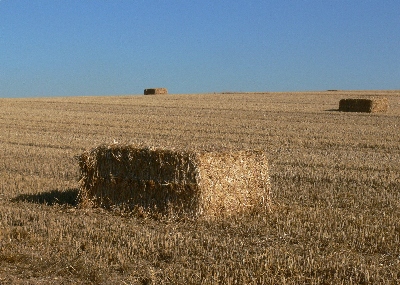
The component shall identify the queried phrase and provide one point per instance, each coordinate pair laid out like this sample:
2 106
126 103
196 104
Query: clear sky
112 47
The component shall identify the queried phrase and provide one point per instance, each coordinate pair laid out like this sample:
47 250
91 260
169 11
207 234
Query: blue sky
99 47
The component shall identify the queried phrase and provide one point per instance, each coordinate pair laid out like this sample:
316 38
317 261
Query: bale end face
169 181
155 91
372 105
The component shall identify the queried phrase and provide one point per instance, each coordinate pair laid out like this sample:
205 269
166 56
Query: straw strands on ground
370 105
208 183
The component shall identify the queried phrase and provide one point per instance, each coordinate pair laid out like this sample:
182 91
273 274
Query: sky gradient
99 47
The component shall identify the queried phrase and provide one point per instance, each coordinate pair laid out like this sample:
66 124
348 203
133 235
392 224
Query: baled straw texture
155 91
175 181
372 105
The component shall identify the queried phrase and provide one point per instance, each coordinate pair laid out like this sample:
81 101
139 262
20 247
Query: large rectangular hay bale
371 105
197 183
155 91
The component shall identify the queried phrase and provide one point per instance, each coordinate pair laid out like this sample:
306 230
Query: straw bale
370 105
155 91
196 183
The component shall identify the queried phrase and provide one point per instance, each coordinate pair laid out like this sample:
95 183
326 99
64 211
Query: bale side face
155 91
126 176
373 105
174 181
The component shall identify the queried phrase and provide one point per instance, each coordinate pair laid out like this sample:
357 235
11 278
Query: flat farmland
335 181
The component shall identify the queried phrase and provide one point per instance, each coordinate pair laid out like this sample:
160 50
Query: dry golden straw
155 91
371 105
197 183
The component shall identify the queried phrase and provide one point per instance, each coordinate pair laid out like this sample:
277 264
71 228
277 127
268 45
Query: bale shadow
66 197
332 110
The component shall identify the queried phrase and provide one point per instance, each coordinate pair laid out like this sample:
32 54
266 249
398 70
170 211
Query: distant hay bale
193 183
155 91
371 105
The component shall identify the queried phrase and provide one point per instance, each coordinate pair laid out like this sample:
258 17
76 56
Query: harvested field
335 189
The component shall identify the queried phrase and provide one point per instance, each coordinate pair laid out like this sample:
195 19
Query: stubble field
335 192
